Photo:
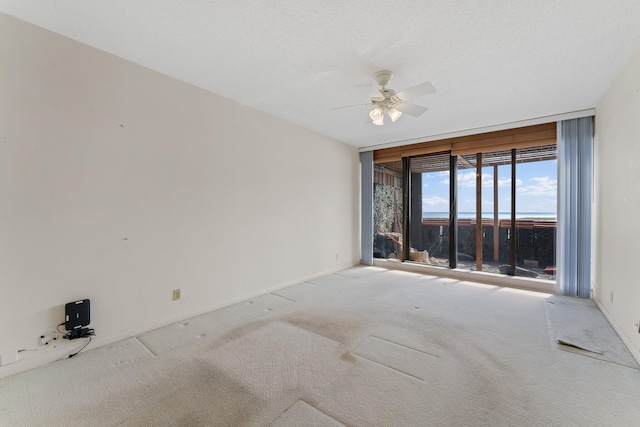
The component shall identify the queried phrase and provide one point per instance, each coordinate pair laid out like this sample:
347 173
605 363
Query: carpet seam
585 353
147 348
404 346
321 411
312 406
288 299
389 367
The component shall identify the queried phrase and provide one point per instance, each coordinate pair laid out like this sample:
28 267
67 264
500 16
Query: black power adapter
79 333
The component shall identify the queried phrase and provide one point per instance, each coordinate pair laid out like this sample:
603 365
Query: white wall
120 184
617 201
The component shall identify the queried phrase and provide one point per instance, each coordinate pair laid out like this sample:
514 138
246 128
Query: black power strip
79 333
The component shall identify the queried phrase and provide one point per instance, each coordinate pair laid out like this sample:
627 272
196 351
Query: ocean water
501 215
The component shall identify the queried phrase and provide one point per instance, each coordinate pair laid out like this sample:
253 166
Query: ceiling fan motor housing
383 77
390 100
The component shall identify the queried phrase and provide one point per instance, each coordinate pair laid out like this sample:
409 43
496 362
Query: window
492 210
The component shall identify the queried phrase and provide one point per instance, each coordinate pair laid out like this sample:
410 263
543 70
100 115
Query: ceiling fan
394 104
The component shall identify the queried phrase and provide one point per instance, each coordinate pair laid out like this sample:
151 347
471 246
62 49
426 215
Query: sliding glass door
387 210
492 211
536 212
430 198
467 191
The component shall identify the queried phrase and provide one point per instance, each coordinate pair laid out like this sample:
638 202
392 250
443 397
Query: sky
536 189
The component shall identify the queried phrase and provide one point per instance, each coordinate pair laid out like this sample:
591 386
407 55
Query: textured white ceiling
492 61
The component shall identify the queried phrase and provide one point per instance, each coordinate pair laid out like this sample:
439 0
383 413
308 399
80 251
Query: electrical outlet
176 294
638 326
8 358
611 297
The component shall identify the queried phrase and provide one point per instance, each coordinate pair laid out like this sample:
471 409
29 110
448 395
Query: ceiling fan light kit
394 104
377 116
394 114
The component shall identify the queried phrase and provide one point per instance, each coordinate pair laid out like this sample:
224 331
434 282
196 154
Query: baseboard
60 349
635 352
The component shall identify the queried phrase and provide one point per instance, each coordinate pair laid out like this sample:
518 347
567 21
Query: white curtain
575 171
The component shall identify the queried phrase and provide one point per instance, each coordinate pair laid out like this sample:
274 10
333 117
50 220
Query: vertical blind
575 170
366 233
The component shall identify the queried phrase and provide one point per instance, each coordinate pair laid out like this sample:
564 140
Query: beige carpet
577 325
363 347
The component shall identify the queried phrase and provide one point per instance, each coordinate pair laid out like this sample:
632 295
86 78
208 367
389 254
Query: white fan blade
411 109
425 88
